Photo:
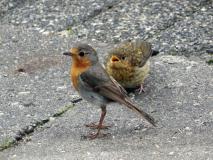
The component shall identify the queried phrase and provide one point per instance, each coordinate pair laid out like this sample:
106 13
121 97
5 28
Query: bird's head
83 54
118 60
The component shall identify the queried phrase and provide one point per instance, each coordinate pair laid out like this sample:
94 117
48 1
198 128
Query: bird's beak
72 52
114 59
67 53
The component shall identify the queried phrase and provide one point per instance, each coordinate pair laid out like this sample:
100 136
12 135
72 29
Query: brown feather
111 91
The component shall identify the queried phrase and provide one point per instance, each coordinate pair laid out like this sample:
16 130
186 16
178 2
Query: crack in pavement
29 129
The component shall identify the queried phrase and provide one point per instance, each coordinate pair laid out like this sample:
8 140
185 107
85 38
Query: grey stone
52 14
20 103
178 96
192 36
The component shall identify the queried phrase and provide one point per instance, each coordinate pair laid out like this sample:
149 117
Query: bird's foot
96 126
140 89
92 136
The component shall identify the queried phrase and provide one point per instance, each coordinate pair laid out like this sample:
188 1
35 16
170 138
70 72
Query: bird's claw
140 89
96 126
92 136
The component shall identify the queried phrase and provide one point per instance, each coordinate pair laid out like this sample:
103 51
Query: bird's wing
112 90
144 50
96 77
98 80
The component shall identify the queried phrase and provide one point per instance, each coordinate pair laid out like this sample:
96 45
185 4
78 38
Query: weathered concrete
178 94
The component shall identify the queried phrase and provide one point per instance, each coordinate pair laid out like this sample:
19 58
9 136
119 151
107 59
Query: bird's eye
81 54
123 58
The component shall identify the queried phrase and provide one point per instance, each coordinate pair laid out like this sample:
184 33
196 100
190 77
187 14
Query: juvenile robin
95 86
129 64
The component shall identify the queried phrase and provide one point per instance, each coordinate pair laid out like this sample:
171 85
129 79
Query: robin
129 64
95 86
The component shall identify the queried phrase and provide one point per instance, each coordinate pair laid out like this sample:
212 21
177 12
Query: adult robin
94 84
129 64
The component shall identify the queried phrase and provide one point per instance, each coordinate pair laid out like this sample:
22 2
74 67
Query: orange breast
77 68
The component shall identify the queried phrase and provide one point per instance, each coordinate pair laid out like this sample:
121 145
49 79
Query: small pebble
51 119
14 103
14 156
61 88
46 33
28 129
18 137
157 146
24 93
187 128
171 153
1 113
21 132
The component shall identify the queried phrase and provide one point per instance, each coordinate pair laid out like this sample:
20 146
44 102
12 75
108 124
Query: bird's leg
140 89
99 126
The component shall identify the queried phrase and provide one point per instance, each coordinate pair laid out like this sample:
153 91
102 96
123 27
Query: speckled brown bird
129 64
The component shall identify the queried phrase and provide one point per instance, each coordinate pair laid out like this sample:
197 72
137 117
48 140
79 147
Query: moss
69 30
210 62
42 122
62 110
7 143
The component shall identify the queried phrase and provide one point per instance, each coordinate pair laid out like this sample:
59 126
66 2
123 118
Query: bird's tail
134 107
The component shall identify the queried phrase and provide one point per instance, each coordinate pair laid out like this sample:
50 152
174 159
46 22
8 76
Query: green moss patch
209 62
7 143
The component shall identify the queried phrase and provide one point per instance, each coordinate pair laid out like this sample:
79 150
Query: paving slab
33 80
191 36
144 19
179 96
37 91
172 26
51 15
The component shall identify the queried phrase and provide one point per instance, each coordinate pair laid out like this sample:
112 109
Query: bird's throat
77 69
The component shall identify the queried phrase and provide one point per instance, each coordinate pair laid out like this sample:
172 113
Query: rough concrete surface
40 115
